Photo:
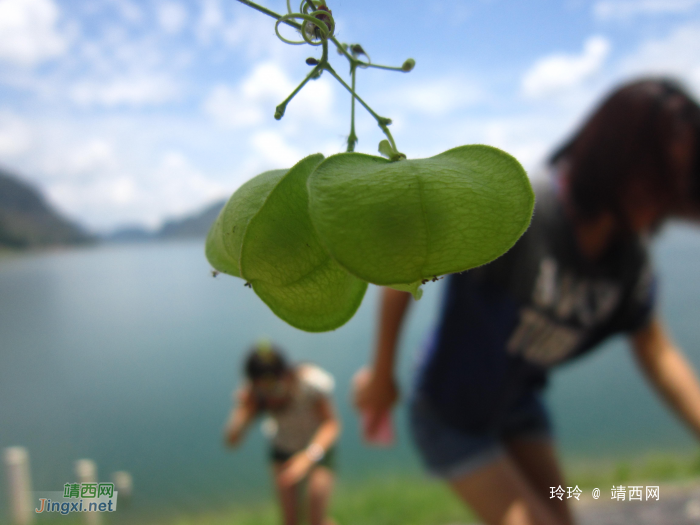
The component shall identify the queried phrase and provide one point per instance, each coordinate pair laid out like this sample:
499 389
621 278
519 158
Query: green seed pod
225 237
278 251
400 223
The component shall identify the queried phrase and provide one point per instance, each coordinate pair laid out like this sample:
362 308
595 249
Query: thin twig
270 13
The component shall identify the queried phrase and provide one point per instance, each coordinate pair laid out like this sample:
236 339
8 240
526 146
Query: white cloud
226 106
114 194
105 193
248 103
136 90
15 135
28 31
678 55
180 187
249 33
244 27
560 72
314 102
74 158
266 81
97 155
210 20
623 9
274 150
123 67
171 16
527 138
436 97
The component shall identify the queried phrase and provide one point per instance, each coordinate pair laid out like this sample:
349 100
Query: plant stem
352 138
266 11
360 63
315 73
344 51
381 121
388 68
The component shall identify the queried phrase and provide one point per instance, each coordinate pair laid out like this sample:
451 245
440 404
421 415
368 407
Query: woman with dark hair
580 274
298 401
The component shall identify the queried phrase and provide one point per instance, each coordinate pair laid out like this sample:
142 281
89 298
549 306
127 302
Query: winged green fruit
279 253
400 223
225 237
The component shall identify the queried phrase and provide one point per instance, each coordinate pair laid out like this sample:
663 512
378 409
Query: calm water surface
128 355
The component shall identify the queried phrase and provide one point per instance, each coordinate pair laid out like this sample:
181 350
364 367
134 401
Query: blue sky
130 112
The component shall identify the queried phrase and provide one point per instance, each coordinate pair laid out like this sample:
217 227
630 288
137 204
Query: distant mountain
27 220
192 226
129 234
196 225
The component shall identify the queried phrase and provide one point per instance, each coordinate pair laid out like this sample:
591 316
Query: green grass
410 500
416 500
651 468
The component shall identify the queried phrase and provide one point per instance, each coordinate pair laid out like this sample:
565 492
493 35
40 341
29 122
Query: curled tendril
307 5
317 27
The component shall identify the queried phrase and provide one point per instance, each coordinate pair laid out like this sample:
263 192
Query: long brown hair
626 141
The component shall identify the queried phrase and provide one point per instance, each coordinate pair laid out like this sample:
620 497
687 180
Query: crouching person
297 401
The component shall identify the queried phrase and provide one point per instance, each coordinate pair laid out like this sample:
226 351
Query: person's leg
501 495
288 497
478 468
537 460
528 442
319 488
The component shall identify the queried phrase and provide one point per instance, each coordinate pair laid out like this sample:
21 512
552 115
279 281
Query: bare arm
241 417
329 429
380 393
670 373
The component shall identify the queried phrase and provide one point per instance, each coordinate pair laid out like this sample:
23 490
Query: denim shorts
451 453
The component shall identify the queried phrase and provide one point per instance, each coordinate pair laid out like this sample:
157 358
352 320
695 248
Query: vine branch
317 29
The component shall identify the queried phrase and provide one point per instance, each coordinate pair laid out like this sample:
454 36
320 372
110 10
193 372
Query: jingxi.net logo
79 497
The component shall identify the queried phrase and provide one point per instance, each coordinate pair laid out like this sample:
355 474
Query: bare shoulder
316 378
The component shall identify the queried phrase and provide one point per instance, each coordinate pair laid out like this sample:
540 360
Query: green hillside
27 220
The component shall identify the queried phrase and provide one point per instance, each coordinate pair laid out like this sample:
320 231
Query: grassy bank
650 468
416 500
411 500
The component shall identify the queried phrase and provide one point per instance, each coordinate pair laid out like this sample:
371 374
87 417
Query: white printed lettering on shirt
545 334
572 299
540 340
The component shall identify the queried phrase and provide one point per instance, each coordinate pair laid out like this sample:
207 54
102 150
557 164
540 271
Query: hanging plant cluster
309 239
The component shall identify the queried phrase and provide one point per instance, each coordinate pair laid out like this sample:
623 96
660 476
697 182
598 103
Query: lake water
128 354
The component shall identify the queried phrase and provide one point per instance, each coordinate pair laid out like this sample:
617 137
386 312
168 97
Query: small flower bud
357 50
408 65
